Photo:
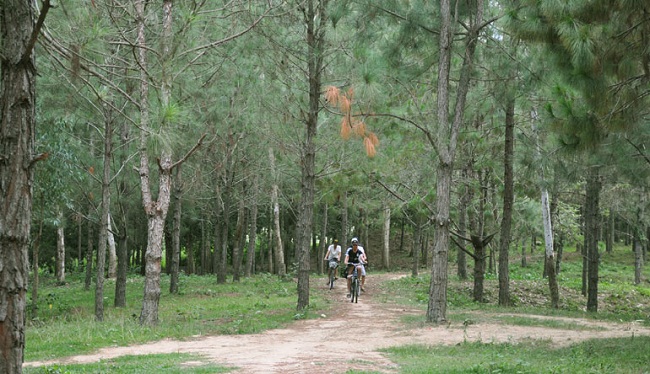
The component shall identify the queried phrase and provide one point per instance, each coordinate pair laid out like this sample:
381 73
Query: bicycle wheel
332 274
354 288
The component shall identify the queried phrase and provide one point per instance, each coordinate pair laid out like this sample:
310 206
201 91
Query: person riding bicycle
355 256
333 257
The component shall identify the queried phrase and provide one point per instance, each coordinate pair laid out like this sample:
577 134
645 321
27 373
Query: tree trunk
60 250
112 250
316 21
156 210
17 128
252 229
238 239
524 263
344 220
89 250
609 239
122 269
508 200
104 220
417 245
323 241
176 232
592 198
445 144
279 250
35 268
464 201
386 251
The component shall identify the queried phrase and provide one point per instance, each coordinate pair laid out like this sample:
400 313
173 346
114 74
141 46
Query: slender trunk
238 239
447 136
122 269
609 239
176 232
89 250
417 245
112 250
386 252
252 230
592 198
60 250
524 263
344 219
104 220
323 241
549 259
279 250
464 201
508 200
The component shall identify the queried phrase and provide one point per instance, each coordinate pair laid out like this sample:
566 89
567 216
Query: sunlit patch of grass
139 364
203 307
625 355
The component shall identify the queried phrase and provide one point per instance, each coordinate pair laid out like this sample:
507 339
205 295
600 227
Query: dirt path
316 346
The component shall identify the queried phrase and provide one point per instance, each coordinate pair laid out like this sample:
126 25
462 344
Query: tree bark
386 251
252 229
60 250
445 144
508 200
176 232
279 250
323 241
17 138
156 210
112 249
592 198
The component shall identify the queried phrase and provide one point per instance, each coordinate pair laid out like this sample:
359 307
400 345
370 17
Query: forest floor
319 345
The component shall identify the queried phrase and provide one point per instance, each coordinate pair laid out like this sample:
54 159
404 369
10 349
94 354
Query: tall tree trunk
445 144
508 200
252 229
609 239
89 250
119 300
238 239
344 220
417 245
17 138
279 250
524 263
592 198
549 259
386 252
176 231
315 19
104 220
112 249
35 267
323 241
464 201
60 250
156 210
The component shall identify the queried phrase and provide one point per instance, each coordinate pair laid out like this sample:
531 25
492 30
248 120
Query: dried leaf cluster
351 125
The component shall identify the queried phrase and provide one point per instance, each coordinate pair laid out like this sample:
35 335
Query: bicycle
332 266
355 286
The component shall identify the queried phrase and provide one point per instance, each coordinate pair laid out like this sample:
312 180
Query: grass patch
66 323
140 364
628 355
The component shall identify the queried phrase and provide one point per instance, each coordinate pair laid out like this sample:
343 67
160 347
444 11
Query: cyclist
333 257
355 255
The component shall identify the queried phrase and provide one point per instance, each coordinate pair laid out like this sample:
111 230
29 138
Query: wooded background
235 137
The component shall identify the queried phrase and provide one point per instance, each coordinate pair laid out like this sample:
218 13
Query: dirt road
317 346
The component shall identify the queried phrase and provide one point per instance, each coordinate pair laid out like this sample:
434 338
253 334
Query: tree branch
37 29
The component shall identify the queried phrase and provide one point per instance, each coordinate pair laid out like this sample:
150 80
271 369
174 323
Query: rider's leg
363 277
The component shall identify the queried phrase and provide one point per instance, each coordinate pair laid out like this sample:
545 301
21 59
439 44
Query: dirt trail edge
317 346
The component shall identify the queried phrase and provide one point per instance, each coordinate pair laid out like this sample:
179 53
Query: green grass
626 355
66 322
145 364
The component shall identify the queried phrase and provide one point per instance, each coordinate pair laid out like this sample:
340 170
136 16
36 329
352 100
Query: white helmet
354 240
